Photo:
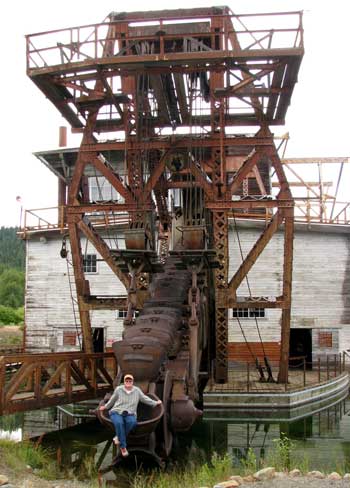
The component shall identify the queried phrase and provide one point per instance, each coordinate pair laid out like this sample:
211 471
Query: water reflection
323 437
11 427
74 438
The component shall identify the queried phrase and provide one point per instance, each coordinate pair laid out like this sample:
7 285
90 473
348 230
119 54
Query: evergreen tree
12 250
12 261
12 288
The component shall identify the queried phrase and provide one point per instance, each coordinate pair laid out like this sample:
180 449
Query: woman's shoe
116 440
124 451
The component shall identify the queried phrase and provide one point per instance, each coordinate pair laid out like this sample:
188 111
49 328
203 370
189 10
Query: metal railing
53 218
34 381
84 44
244 377
39 219
311 210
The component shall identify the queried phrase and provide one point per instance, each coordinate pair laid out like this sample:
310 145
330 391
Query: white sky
317 119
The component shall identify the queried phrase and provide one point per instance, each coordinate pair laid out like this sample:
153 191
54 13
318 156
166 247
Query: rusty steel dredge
160 98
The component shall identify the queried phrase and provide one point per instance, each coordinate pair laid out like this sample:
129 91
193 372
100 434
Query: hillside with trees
12 273
12 250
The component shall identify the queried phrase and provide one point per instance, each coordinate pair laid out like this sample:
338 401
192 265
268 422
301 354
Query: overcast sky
317 119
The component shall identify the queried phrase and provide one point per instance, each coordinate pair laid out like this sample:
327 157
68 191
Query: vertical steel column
287 294
220 220
220 224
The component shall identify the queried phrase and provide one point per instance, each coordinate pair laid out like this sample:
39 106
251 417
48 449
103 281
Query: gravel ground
296 482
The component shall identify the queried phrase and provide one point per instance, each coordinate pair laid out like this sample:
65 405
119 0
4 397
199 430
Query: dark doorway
300 345
98 339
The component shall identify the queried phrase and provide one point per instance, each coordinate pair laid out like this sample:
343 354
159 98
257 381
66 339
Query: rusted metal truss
170 93
319 199
260 62
34 381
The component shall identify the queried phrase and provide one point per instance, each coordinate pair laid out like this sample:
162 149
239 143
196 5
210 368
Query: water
73 437
322 438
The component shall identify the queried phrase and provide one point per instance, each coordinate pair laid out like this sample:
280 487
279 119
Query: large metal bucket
141 359
147 419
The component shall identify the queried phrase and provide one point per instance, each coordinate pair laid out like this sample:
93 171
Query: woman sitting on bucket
123 406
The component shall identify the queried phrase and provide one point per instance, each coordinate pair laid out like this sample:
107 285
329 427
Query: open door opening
98 339
300 345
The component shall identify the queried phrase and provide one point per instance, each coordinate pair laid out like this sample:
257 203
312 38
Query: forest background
12 277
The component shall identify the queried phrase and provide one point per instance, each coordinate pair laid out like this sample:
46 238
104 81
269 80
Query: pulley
176 161
63 251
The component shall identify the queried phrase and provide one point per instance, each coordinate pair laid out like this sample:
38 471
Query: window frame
92 265
247 313
124 311
121 313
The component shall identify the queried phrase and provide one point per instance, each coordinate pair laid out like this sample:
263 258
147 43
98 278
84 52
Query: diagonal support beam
110 93
78 375
248 80
156 174
255 252
74 186
277 164
259 180
55 378
104 373
104 251
113 179
88 138
23 373
181 96
253 158
200 177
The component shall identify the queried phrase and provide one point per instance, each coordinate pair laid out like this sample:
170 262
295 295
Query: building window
90 263
101 190
325 339
121 314
248 313
69 338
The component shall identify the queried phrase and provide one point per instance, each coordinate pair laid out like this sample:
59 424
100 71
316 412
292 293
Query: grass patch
197 472
11 335
194 475
282 456
18 455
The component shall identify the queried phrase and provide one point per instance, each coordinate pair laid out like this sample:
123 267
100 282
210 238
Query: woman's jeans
123 424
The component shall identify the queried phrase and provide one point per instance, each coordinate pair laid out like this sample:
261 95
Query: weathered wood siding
321 291
321 288
48 302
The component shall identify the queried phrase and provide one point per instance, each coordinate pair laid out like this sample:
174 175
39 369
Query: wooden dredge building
320 322
166 103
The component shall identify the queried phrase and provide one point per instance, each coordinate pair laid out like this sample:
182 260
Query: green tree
12 288
12 249
9 316
12 260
